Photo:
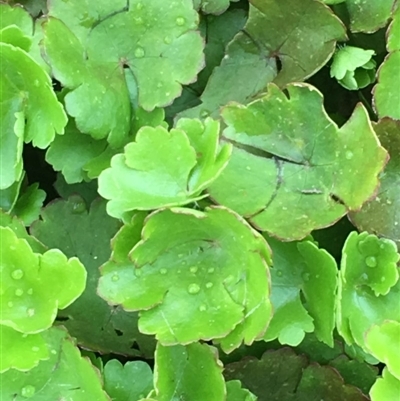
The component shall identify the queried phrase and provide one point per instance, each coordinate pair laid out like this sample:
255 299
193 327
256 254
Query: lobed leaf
207 278
302 171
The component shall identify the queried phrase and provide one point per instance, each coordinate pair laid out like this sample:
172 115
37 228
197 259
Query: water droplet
202 308
138 272
28 391
111 26
193 269
209 285
306 276
383 279
30 291
139 52
248 168
35 349
159 85
349 155
180 21
19 292
53 351
211 270
180 255
139 6
371 261
279 273
167 40
193 289
30 312
17 274
10 304
163 271
36 82
115 277
139 20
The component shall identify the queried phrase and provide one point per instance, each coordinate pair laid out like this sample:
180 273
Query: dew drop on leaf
163 271
36 82
35 349
167 40
10 304
370 261
28 391
139 52
17 274
194 269
30 312
30 291
279 273
202 308
139 6
138 272
306 276
211 270
180 21
78 207
349 155
19 292
209 285
115 277
193 289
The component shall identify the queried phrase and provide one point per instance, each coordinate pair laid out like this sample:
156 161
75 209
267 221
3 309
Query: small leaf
28 206
207 278
382 342
64 375
176 373
34 286
129 382
164 168
369 286
20 351
385 388
235 392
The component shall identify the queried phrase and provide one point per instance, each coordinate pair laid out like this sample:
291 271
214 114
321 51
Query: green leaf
368 286
65 224
368 16
9 196
65 375
348 63
284 30
301 270
207 278
16 16
385 388
382 342
34 286
20 351
235 392
164 168
166 55
28 206
302 171
381 215
283 375
129 382
386 95
393 32
14 36
212 6
176 373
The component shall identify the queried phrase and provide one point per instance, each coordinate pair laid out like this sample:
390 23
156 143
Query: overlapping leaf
369 286
212 6
176 373
283 375
164 168
35 286
385 388
368 16
21 351
235 392
65 375
30 111
194 275
78 231
154 42
129 382
300 269
301 171
386 95
381 215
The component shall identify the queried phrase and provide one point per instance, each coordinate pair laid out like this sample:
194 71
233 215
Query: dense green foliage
200 200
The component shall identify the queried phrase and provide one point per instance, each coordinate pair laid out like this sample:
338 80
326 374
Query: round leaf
203 279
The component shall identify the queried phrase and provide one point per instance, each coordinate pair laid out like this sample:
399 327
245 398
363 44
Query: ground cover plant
200 200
